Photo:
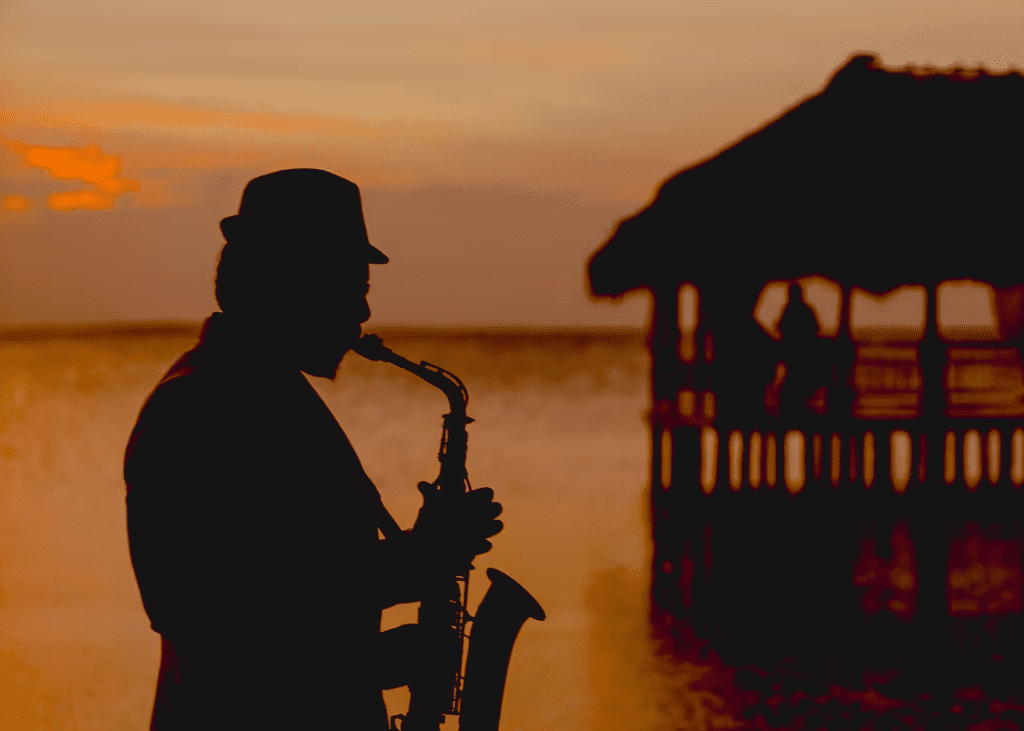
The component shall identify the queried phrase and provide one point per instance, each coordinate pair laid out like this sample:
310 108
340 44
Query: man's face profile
330 308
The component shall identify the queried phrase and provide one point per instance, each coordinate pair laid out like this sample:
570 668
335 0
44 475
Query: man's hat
314 208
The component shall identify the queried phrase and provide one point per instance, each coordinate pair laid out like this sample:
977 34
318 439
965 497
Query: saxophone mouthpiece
371 347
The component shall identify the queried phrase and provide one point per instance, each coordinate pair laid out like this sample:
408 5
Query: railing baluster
994 450
771 460
971 454
868 440
835 458
755 457
949 462
708 459
664 456
735 454
793 459
902 462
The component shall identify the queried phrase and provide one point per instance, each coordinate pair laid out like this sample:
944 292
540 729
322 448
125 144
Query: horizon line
191 328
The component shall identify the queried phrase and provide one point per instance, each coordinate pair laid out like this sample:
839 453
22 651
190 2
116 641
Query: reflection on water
664 675
560 436
641 680
806 647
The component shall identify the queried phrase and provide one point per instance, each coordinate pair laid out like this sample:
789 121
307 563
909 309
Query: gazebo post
663 340
846 495
841 408
931 540
690 503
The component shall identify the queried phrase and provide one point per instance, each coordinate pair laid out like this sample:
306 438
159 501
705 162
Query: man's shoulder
192 377
194 408
191 392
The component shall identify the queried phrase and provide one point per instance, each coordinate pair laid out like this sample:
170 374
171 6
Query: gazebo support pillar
663 339
844 541
931 540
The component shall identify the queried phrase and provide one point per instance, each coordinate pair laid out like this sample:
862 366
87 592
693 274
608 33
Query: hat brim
234 227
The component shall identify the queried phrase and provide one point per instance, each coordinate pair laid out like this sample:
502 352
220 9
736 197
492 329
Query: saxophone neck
372 348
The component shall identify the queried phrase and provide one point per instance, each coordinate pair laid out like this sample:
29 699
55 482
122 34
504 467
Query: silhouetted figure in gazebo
805 530
802 353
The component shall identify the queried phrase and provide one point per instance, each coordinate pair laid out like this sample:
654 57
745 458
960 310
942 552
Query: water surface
559 435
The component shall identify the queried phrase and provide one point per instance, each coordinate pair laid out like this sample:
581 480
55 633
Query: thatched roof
884 178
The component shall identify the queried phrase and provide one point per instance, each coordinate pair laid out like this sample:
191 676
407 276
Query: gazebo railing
884 454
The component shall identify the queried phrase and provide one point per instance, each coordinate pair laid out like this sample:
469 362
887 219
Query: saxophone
475 694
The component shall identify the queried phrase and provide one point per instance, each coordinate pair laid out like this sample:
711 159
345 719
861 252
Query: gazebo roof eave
866 209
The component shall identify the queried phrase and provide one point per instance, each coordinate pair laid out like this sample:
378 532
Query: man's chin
323 370
326 364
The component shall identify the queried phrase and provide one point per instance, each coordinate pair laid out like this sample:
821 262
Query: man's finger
492 528
487 511
481 495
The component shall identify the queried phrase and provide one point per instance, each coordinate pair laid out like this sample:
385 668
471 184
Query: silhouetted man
802 353
251 523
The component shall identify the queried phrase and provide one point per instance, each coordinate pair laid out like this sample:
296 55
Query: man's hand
457 526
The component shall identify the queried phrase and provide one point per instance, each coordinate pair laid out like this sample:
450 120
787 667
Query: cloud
88 164
85 198
16 203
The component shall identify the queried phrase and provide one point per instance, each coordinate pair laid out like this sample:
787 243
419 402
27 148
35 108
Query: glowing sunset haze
496 143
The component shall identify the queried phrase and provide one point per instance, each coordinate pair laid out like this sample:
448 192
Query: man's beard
324 366
325 358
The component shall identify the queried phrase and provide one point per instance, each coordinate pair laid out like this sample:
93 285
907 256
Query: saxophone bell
505 607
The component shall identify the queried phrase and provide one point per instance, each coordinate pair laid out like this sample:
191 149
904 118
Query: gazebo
883 179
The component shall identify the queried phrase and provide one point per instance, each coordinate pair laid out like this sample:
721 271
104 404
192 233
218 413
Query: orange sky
497 143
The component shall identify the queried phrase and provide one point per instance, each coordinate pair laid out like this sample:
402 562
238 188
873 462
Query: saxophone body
475 695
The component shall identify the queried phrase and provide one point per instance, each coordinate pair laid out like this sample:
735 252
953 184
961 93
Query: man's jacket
253 533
